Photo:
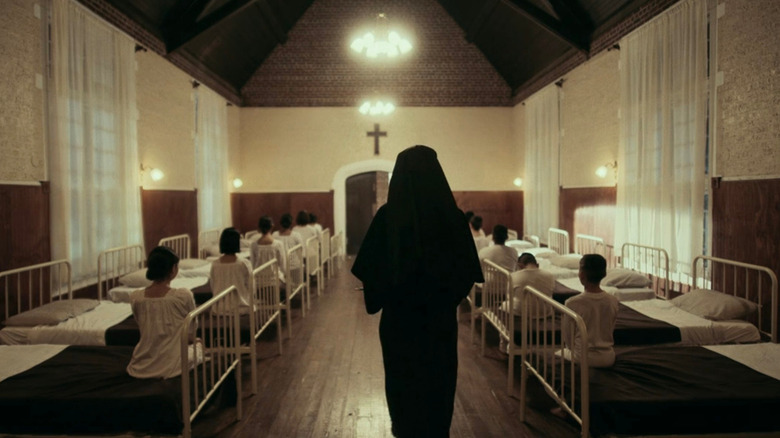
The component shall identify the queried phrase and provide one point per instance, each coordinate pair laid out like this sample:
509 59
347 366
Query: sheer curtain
661 172
542 144
211 143
93 153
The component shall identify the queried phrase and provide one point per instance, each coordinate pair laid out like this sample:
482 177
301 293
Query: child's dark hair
526 258
160 263
594 266
500 234
230 241
302 218
265 224
286 221
476 222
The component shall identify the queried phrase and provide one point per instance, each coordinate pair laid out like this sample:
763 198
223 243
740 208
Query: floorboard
329 381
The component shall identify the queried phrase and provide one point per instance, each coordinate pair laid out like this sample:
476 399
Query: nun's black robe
417 262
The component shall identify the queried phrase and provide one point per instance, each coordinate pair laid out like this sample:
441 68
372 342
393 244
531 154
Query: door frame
339 186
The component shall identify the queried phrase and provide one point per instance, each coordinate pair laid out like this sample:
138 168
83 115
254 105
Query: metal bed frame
31 286
313 267
206 239
296 284
652 261
558 240
179 244
115 262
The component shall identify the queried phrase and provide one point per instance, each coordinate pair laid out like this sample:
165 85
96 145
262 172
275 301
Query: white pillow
519 244
136 279
52 313
541 253
568 261
192 263
621 277
212 251
714 305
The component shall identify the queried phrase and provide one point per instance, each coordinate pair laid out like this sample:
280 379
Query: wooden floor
329 381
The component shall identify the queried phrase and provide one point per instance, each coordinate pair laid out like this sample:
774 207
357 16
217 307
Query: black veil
419 232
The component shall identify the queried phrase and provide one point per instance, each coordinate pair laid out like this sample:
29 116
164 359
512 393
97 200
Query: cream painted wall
301 149
22 143
748 124
166 122
589 119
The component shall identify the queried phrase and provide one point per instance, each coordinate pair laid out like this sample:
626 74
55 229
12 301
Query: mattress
121 294
86 390
621 293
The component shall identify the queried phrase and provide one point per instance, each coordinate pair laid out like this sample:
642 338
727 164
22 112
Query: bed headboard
654 262
558 240
744 280
116 262
179 244
585 244
206 239
33 286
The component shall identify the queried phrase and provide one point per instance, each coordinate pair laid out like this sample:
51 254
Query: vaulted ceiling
224 43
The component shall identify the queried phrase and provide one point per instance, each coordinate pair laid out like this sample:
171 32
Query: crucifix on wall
376 133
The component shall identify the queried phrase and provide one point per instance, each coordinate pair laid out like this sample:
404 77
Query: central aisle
329 381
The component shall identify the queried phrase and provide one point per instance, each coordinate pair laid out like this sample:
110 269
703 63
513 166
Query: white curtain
661 164
211 144
94 170
542 147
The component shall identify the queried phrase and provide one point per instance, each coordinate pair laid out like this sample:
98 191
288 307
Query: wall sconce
518 182
602 171
154 173
237 183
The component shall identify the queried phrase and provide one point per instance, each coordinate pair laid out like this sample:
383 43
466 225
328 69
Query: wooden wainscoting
24 215
746 221
24 228
495 207
249 207
588 210
168 213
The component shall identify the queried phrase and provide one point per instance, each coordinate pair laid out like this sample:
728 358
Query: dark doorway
366 192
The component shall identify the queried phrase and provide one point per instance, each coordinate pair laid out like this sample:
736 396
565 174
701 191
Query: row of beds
63 370
676 373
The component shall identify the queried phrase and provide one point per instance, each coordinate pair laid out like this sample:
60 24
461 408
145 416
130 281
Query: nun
417 262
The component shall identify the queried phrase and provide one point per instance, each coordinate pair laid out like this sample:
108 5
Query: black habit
417 262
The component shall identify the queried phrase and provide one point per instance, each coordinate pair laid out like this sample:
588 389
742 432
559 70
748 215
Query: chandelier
381 41
376 108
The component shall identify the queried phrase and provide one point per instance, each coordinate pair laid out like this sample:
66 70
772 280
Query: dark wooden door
366 192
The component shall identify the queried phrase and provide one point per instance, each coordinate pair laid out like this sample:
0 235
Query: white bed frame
32 286
496 291
511 234
543 364
337 249
222 356
326 257
114 263
313 267
206 239
585 244
744 280
652 261
266 310
179 244
558 240
296 284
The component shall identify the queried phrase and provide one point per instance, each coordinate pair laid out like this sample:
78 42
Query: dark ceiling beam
186 30
580 41
272 20
479 21
572 14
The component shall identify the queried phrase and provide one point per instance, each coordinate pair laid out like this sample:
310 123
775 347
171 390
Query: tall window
542 146
211 144
95 199
661 178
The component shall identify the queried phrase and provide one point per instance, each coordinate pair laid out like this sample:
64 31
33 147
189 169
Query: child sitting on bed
598 310
160 311
232 270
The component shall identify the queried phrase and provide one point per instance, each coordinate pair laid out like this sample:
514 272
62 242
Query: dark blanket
126 333
681 390
86 390
631 328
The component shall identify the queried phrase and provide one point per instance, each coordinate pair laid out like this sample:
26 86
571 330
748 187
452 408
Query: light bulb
156 174
237 183
601 172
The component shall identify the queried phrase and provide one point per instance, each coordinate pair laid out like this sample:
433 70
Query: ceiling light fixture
381 41
376 108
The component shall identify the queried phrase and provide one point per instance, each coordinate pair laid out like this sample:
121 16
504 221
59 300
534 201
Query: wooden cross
376 133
